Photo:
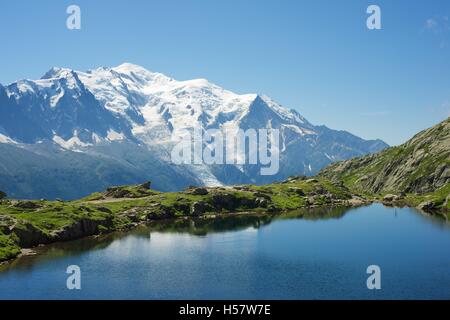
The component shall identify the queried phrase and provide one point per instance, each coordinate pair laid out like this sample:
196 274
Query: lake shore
27 224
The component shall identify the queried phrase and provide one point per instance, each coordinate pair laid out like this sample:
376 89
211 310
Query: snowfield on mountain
71 133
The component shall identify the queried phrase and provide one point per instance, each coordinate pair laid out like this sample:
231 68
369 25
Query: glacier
125 120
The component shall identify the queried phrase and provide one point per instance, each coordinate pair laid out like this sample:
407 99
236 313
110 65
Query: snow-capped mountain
130 118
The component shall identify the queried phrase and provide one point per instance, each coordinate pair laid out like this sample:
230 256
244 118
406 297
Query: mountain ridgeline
72 133
420 166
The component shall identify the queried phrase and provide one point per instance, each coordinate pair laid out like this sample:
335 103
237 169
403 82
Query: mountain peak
130 67
56 72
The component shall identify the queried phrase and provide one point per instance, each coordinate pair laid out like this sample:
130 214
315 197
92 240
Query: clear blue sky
315 56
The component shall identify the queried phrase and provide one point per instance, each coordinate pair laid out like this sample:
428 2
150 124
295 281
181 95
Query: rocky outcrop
197 191
28 235
200 207
82 228
427 206
261 202
118 193
32 205
160 212
7 224
146 185
121 192
390 198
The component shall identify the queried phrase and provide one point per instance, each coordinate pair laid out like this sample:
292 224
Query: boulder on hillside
6 224
427 206
146 185
160 211
298 191
198 191
390 197
200 207
27 205
225 201
118 193
261 202
29 235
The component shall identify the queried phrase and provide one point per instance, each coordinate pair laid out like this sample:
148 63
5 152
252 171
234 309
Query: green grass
143 205
8 247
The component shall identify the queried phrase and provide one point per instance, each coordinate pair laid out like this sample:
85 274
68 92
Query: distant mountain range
71 133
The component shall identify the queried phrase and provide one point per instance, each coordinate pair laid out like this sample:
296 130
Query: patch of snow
5 139
115 136
332 158
301 131
55 99
70 144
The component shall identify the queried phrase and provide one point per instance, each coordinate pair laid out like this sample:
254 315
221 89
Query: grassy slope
136 204
407 168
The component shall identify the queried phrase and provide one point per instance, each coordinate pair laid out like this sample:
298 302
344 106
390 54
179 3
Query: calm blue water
323 255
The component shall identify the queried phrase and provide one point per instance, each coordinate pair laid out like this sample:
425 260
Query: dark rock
29 236
198 191
7 223
261 202
118 193
160 211
27 205
225 201
200 207
297 191
146 185
81 228
271 208
427 206
184 208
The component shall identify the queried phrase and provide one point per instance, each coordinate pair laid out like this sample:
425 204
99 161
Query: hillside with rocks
419 167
